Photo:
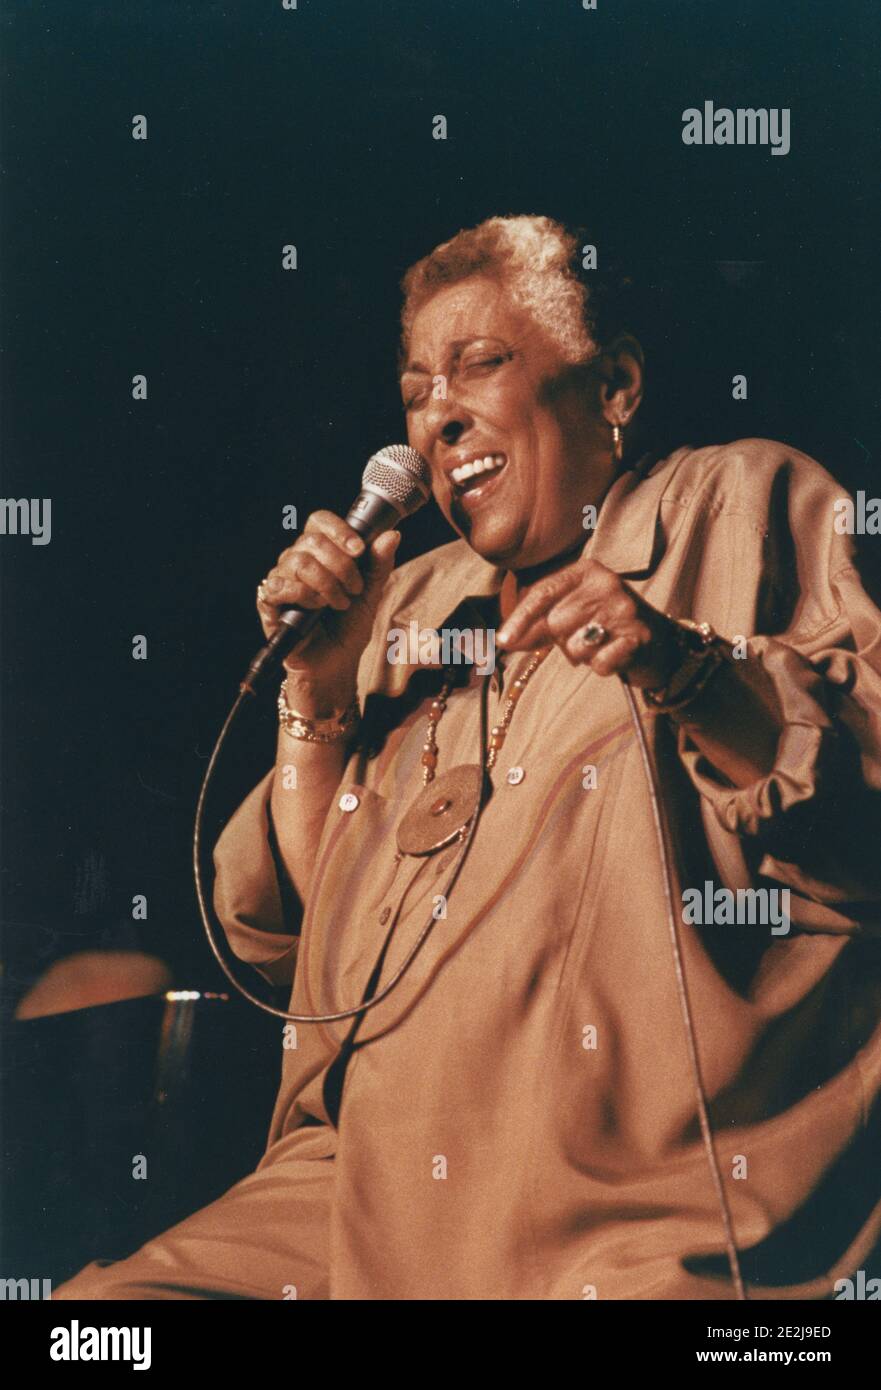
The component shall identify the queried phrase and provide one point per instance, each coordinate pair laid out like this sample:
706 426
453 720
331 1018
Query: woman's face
510 398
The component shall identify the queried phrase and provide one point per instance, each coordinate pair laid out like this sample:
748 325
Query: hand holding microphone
318 603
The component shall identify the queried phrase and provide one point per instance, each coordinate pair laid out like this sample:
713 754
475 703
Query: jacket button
384 915
515 776
348 801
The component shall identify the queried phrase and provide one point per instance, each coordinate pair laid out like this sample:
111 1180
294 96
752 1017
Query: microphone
395 484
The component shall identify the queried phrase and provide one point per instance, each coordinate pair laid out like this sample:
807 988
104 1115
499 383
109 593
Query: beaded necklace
497 733
442 812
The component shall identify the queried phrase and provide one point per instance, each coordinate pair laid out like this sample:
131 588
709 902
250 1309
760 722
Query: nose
446 420
452 430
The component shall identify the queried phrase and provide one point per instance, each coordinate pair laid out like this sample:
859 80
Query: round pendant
441 810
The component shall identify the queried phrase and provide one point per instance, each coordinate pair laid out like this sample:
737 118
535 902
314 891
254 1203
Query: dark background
269 387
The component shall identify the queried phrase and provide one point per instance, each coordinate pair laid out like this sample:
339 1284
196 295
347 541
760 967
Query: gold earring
617 443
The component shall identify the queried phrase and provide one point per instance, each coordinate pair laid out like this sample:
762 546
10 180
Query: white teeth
480 465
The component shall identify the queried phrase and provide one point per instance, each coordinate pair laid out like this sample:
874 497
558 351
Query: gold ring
594 634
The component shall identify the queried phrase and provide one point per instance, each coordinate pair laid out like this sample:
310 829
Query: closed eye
479 365
495 361
415 399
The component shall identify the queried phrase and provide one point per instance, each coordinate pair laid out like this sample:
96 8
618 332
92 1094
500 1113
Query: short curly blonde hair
534 257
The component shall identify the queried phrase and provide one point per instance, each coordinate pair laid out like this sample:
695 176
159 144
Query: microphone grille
401 474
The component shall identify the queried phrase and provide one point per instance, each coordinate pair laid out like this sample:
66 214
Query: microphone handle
369 515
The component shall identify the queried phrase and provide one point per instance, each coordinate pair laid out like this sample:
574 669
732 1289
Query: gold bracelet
316 730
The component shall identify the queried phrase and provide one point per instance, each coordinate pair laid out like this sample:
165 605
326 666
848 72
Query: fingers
527 625
614 655
380 563
335 529
559 609
319 570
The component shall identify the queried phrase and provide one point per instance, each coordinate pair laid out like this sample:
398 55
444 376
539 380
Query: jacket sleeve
813 823
254 899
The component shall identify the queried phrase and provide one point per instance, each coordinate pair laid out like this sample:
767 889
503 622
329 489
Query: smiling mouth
468 477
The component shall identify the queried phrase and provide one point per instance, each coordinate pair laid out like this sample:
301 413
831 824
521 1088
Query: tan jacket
519 1118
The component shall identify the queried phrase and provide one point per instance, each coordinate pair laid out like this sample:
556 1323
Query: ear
621 366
